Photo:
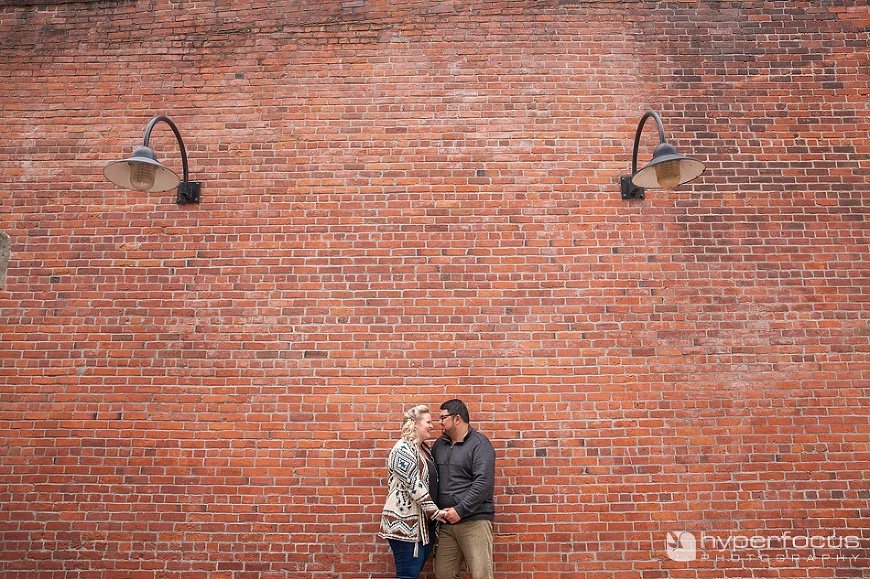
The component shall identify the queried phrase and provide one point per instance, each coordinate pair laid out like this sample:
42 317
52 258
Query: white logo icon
681 546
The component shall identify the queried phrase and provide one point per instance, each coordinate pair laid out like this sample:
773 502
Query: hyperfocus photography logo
684 546
681 546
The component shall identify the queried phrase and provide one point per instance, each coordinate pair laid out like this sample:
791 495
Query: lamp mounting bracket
188 192
629 189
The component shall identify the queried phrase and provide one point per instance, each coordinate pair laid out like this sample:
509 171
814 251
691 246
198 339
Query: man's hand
450 516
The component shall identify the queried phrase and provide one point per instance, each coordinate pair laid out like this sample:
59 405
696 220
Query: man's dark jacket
466 475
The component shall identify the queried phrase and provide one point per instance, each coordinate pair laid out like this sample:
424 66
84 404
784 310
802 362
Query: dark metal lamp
668 168
142 172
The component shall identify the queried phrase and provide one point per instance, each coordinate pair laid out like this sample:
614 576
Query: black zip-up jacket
466 475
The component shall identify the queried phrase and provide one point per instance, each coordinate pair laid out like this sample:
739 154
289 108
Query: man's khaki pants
465 542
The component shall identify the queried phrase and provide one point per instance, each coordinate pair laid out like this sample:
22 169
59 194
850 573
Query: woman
407 522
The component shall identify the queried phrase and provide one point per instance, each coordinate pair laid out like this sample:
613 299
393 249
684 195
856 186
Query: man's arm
483 479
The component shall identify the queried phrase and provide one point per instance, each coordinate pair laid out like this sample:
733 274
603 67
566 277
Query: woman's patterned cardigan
408 502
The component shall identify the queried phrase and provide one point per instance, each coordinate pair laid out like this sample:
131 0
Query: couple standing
458 474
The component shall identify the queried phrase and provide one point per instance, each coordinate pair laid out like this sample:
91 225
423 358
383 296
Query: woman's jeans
407 565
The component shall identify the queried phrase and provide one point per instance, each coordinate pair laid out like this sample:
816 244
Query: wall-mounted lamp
667 170
142 172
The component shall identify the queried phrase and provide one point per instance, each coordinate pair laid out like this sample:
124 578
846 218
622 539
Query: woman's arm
404 466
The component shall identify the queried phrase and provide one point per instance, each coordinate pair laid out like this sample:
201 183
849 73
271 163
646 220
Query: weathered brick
404 202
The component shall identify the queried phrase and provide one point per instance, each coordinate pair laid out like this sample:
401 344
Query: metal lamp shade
135 172
668 169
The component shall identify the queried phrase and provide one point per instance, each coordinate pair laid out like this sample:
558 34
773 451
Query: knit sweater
408 504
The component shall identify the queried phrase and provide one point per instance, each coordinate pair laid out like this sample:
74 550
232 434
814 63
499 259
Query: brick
405 203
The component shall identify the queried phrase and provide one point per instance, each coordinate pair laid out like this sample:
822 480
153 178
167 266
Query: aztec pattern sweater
408 504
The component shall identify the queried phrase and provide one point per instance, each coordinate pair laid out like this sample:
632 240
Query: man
465 460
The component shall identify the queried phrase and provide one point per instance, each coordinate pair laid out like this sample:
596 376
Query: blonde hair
410 420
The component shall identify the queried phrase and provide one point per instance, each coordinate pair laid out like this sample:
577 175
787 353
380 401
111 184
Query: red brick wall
408 201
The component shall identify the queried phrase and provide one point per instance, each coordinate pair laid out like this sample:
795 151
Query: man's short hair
458 408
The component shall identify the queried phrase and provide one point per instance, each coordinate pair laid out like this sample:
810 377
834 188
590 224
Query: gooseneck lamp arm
666 170
637 135
188 191
172 126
